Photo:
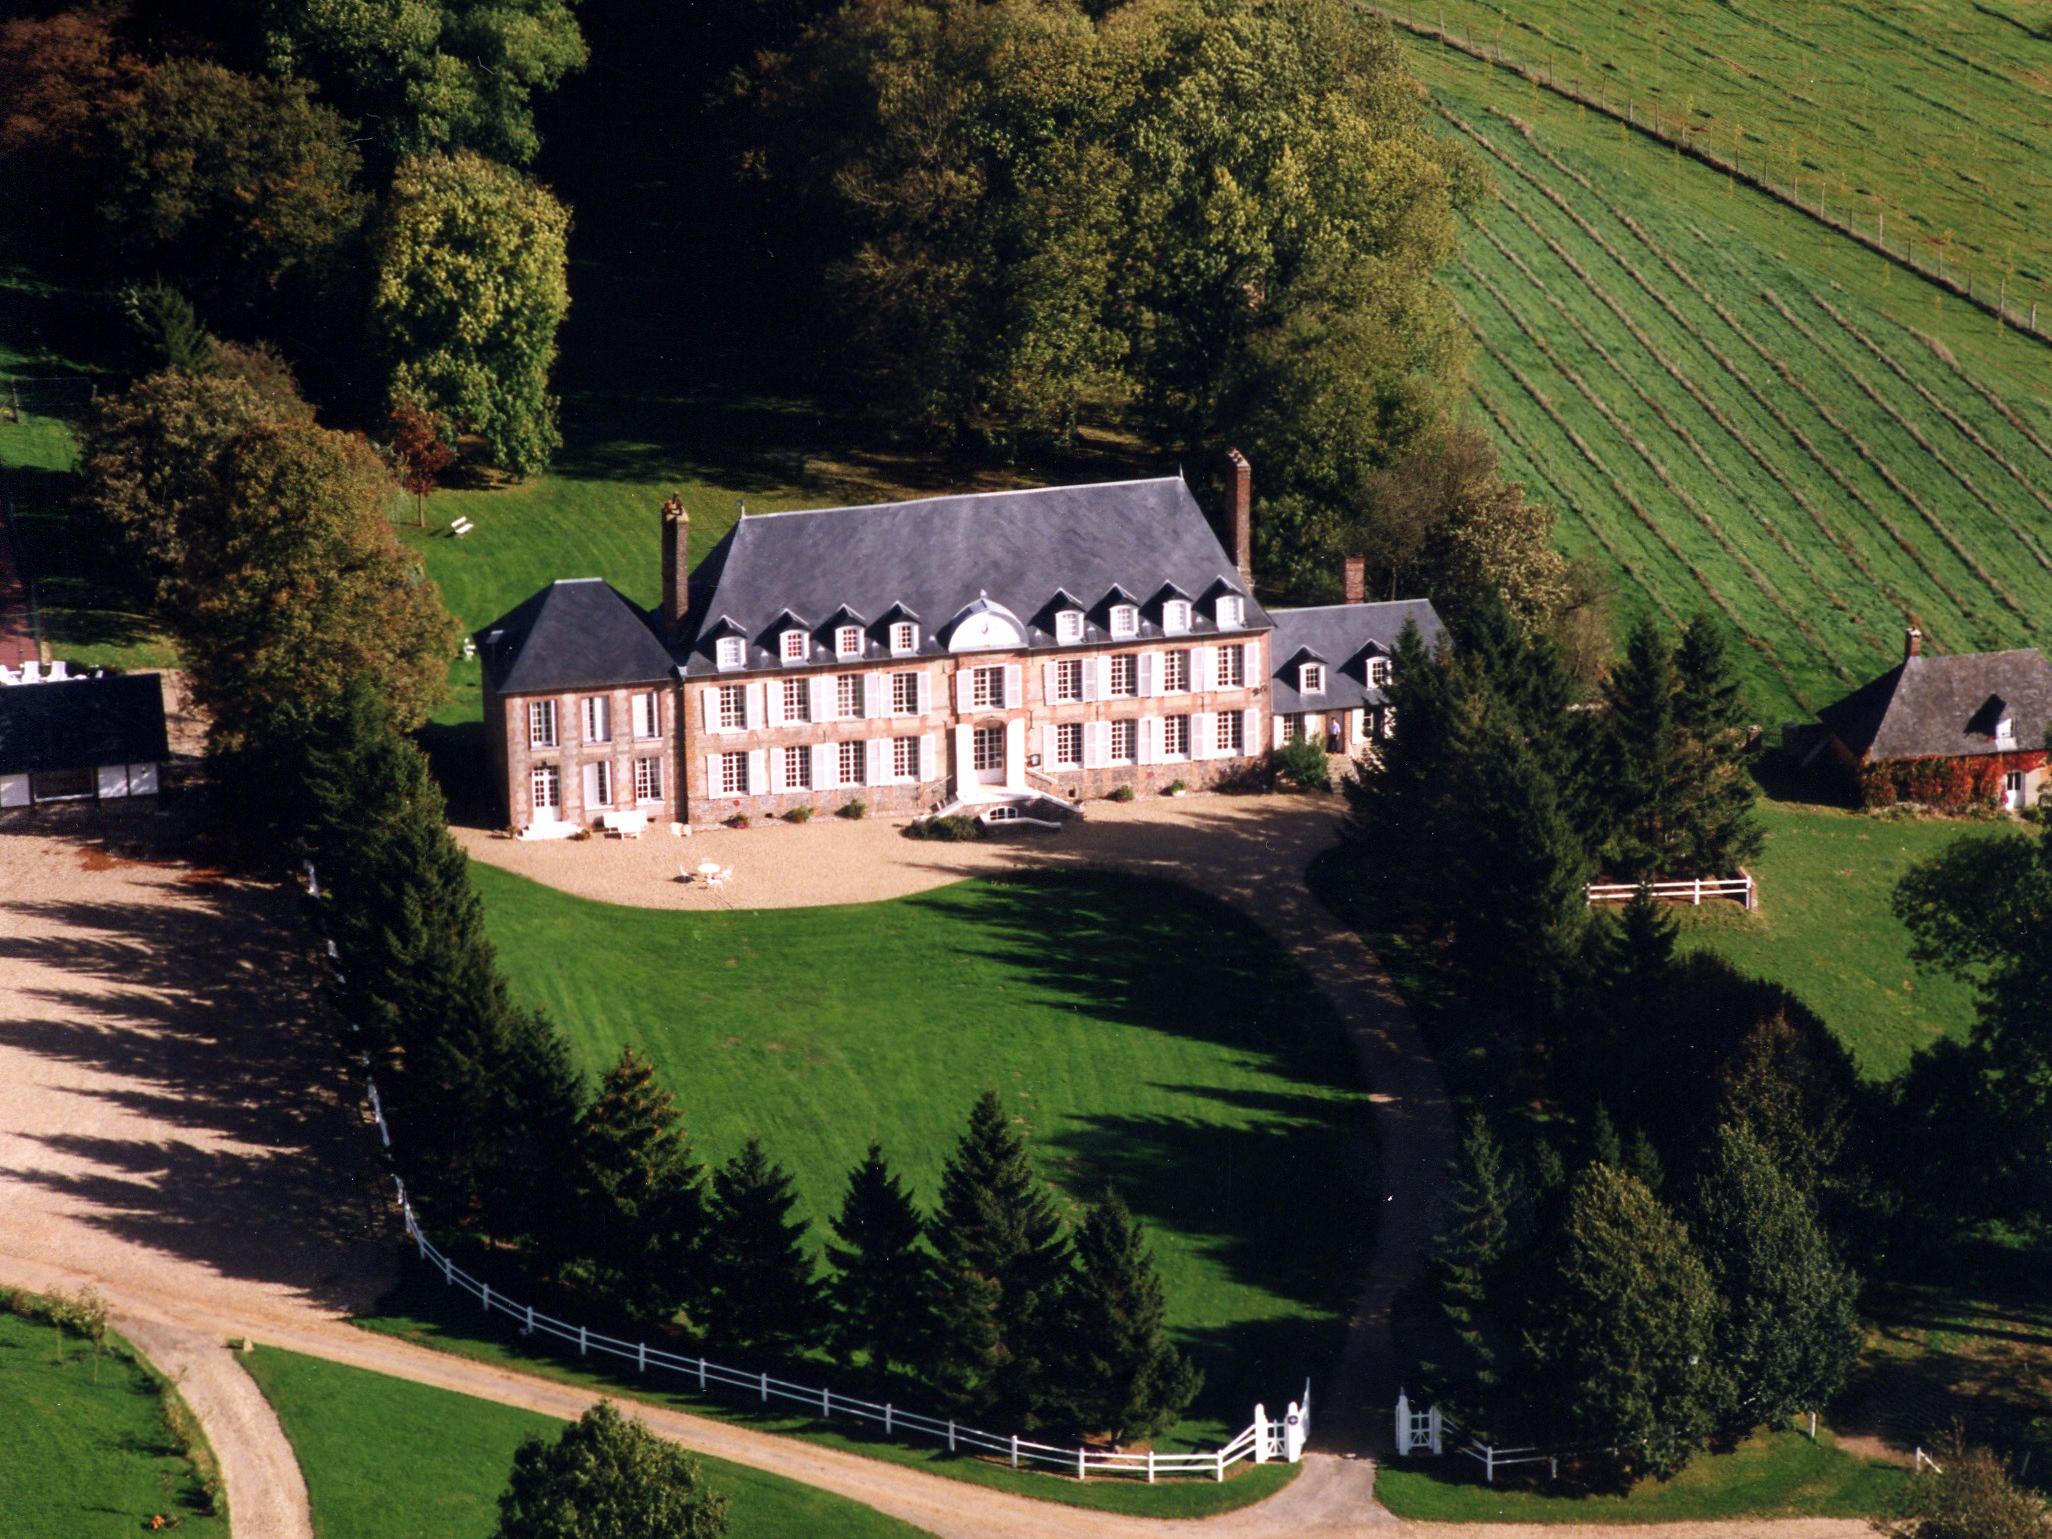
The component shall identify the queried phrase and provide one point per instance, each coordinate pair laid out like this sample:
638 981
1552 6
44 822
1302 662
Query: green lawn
1731 406
86 1454
1780 1474
1824 928
388 1459
1142 1035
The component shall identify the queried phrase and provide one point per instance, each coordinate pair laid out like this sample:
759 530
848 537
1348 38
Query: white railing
1263 1440
1692 890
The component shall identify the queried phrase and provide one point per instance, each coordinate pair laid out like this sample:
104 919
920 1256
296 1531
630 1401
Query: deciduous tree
606 1477
1965 1494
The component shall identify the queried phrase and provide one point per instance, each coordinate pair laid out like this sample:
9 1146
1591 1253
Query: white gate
1416 1431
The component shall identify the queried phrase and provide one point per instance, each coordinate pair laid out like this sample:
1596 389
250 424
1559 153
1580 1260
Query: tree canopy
607 1477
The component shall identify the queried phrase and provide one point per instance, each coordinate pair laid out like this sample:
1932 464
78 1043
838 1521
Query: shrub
738 820
1174 786
1119 794
1953 785
854 811
798 815
954 828
1301 762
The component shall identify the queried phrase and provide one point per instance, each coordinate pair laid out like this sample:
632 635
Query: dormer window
1311 679
729 652
1069 626
1378 672
904 637
1230 611
796 647
1125 621
1175 617
2005 731
848 641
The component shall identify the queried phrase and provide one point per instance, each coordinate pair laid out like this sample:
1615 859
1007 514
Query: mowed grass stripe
1142 1035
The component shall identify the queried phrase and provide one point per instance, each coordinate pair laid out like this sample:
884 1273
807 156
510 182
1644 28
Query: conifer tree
1646 762
1790 1330
1395 803
1605 1146
1465 1268
641 1211
1623 1340
1642 1162
1120 1375
882 1286
996 1225
765 1292
1721 828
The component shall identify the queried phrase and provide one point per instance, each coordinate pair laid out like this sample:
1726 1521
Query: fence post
765 1388
448 1273
887 1418
583 1341
1015 1450
528 1329
1698 899
1220 1477
826 1404
701 1373
1403 1425
1489 1463
641 1357
1081 1473
487 1298
951 1435
1150 1466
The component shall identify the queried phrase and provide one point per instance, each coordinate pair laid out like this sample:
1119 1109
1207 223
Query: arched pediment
984 625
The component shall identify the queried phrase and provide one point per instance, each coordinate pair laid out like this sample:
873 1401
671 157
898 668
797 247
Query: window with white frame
545 785
1175 672
1068 679
1069 626
847 695
1175 616
598 719
797 699
1311 679
1175 737
648 780
1232 668
848 641
1068 750
904 637
598 782
648 714
1378 671
987 748
905 758
1125 621
851 763
541 724
730 652
1124 736
1123 678
733 774
795 649
2005 731
798 768
987 689
1230 611
1231 736
905 694
733 708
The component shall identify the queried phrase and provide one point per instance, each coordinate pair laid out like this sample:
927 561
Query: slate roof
578 633
82 723
1014 550
1343 637
1946 707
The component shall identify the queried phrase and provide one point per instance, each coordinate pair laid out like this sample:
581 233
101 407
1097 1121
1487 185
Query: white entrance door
987 750
546 783
2013 790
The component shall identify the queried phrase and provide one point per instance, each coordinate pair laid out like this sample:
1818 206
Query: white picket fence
1692 890
1264 1439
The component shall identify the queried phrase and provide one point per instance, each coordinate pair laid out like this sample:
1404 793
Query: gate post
1293 1434
1432 1428
1260 1439
1403 1425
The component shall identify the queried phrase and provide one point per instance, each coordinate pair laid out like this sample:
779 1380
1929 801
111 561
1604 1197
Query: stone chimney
1912 643
1354 579
1240 514
676 565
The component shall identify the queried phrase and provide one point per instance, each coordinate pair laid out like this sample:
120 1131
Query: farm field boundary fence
1264 1439
1992 296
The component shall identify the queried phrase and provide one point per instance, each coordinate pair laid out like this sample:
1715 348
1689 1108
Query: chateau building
977 651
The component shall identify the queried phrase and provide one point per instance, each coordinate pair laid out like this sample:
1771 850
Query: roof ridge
1303 609
913 502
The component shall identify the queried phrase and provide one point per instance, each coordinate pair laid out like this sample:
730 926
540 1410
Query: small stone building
1941 730
82 741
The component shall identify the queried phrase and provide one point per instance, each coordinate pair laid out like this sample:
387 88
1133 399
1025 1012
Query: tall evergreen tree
1465 1267
641 1197
1623 1339
1605 1146
1790 1329
1646 760
765 1292
1120 1374
1722 828
882 1286
997 1226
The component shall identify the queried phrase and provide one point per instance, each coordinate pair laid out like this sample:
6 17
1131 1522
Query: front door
2013 790
987 748
546 783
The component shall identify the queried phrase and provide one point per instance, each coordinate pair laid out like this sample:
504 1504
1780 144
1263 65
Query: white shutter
773 702
1148 674
926 756
1015 686
876 761
758 771
1203 674
1250 724
925 696
712 774
821 685
1096 744
961 691
709 706
112 780
872 695
826 765
1203 736
1015 747
142 780
1047 750
1150 740
751 704
776 771
1049 672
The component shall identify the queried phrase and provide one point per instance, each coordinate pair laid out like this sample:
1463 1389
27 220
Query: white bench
459 527
628 825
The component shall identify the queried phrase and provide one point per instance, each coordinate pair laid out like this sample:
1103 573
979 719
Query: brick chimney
1240 514
1354 579
676 565
1912 643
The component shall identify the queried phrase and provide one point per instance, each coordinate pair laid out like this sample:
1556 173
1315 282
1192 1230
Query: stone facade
517 745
